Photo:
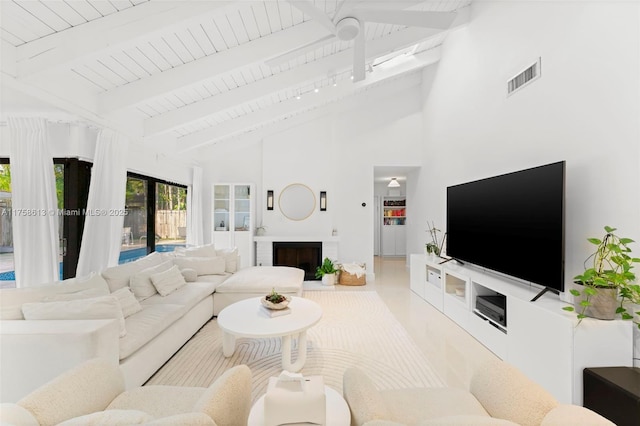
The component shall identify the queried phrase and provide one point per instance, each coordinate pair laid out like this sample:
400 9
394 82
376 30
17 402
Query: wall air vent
524 78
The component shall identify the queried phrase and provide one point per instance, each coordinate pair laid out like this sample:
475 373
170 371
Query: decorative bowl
275 306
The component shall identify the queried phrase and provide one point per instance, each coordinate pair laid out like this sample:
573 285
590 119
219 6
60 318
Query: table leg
302 353
228 344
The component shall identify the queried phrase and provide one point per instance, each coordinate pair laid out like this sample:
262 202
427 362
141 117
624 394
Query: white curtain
35 208
194 209
102 235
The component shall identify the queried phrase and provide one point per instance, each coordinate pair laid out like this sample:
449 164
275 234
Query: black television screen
512 223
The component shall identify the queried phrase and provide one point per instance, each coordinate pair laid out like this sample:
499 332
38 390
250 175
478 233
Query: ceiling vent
527 76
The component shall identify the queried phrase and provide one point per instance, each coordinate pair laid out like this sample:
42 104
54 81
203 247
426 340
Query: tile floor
450 349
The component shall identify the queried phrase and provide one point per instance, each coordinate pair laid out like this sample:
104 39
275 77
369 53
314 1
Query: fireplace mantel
264 246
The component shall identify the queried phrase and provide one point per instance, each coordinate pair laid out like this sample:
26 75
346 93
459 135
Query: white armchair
93 393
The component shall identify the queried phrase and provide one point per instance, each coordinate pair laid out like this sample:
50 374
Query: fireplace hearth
305 255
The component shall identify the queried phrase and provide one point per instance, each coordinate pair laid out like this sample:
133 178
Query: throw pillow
190 275
141 284
127 301
231 258
168 281
202 265
103 307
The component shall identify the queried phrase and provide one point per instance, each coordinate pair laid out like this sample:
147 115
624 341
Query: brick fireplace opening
303 255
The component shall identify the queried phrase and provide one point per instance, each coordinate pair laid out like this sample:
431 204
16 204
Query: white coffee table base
338 413
229 347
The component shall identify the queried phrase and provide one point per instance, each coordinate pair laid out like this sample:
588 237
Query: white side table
338 413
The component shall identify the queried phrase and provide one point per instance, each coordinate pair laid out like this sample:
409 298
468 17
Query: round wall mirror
297 201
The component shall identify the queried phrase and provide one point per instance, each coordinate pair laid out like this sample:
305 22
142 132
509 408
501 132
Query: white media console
539 338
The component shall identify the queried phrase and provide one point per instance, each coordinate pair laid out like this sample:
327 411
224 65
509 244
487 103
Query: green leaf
636 259
609 229
626 241
594 241
581 316
569 308
626 316
620 310
590 291
585 303
575 292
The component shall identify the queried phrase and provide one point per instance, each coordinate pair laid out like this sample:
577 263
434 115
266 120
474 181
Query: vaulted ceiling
197 72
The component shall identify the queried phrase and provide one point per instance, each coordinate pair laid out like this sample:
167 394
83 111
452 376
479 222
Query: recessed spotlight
316 90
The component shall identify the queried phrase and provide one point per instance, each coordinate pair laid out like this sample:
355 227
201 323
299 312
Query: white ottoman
257 281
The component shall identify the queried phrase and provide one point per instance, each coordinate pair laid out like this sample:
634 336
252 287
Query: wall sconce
270 200
323 201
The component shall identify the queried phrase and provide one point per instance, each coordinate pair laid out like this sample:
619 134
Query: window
7 268
156 217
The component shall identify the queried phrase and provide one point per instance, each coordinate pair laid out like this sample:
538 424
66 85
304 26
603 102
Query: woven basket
351 279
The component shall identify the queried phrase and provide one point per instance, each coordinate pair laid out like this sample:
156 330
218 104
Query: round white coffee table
248 319
338 413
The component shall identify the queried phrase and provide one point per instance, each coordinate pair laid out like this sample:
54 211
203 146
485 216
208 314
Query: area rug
357 329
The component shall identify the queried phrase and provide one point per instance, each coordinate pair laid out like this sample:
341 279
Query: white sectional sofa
33 351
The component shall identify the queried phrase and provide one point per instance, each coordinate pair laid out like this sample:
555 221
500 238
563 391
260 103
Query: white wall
333 151
585 109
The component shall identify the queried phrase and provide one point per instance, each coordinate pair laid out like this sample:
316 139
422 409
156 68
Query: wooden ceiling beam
298 76
112 32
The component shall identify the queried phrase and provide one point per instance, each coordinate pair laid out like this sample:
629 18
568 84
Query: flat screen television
512 224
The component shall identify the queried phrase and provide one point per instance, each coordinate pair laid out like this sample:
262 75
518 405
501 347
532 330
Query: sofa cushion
12 299
231 259
191 419
82 294
110 417
168 281
158 400
141 284
186 296
118 276
215 279
190 275
207 250
411 406
565 414
507 393
466 421
147 324
103 307
202 265
261 279
127 301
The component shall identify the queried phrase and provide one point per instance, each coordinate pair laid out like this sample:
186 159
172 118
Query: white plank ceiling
196 72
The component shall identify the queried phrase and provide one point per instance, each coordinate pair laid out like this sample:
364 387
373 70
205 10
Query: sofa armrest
364 400
565 414
34 352
228 400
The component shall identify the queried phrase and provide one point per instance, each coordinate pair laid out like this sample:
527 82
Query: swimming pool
125 257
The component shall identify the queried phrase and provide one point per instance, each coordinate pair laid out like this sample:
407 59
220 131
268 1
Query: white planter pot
329 279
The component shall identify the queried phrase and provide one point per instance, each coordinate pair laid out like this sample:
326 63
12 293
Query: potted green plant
608 285
327 272
433 247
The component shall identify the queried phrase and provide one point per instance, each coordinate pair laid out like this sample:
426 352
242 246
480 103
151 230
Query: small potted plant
327 272
275 300
607 285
